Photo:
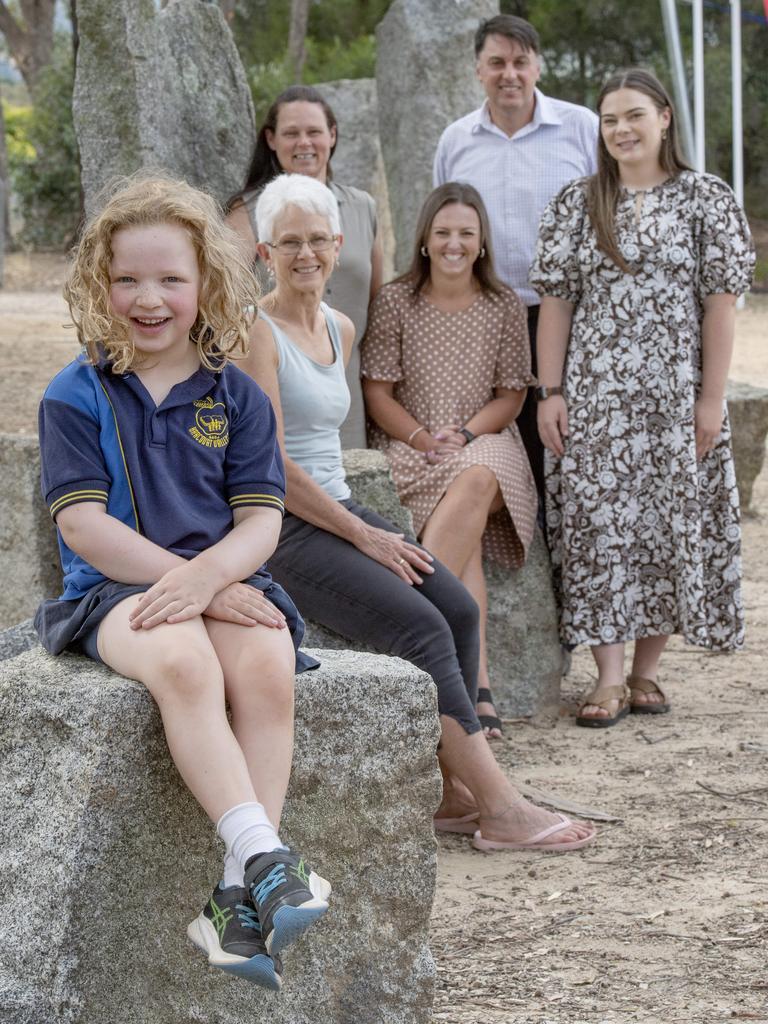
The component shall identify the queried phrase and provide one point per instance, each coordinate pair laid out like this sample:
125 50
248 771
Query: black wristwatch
468 434
542 393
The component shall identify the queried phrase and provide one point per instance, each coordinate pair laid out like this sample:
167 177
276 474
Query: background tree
29 35
297 37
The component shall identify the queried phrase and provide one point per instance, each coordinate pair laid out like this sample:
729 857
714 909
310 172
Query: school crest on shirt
211 427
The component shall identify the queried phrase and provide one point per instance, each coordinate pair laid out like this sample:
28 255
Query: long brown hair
417 274
264 163
603 187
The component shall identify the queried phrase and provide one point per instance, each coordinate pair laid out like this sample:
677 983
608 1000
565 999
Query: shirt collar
543 113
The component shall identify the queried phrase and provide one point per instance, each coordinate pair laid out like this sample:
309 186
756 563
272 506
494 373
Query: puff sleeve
381 351
513 362
555 270
726 254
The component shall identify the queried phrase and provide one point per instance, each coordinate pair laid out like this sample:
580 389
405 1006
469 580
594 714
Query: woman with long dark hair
446 366
299 136
639 268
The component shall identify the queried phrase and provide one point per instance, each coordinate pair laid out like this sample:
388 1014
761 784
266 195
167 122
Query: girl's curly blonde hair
228 288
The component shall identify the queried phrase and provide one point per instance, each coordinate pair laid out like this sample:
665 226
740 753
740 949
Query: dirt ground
665 918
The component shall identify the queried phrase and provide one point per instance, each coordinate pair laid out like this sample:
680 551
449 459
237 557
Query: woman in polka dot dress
445 369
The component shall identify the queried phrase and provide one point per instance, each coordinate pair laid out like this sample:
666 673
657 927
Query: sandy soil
665 918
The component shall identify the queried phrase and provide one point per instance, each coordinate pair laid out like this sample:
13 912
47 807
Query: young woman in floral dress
639 268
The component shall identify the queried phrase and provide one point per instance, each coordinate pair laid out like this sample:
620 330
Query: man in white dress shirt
518 150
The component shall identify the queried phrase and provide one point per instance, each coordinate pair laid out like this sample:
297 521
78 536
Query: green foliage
340 43
266 82
332 59
21 152
43 157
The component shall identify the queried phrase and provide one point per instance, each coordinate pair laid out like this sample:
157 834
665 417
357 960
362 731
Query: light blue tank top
315 401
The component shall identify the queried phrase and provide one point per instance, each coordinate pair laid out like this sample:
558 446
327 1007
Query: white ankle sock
233 873
246 831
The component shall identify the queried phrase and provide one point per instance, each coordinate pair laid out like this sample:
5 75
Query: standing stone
105 856
358 160
425 72
748 413
28 548
162 89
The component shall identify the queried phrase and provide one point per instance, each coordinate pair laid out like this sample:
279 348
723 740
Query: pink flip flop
466 826
537 842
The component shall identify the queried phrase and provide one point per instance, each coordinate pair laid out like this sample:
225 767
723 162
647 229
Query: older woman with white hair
347 567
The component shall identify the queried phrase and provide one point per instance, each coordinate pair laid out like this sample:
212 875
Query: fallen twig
563 804
658 739
742 794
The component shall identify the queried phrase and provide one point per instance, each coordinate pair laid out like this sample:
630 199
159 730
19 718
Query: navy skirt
74 625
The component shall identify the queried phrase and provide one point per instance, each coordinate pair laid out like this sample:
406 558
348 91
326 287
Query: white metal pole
737 126
677 67
736 114
698 84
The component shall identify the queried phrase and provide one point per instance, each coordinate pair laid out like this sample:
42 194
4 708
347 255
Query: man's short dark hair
508 25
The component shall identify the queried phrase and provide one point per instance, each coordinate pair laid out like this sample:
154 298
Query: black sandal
485 696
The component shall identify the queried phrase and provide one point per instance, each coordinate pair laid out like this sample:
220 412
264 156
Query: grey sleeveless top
315 401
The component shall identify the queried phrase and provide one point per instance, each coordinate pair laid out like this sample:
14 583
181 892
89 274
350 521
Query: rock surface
106 857
425 73
130 57
358 160
28 548
748 413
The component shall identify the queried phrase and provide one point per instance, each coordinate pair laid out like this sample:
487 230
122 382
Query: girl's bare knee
188 673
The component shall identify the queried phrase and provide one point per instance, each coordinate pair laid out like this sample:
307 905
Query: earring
481 254
423 251
663 134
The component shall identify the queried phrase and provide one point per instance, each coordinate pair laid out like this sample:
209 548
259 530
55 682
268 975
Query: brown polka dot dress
444 367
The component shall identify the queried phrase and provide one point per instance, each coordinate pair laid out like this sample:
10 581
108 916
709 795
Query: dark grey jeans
434 625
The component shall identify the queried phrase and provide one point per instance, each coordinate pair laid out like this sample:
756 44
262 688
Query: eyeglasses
293 246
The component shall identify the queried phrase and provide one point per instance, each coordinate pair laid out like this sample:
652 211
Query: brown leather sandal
637 684
601 696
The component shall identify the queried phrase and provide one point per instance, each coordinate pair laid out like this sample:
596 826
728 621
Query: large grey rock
370 480
160 88
105 857
358 160
748 413
30 558
17 639
524 654
425 73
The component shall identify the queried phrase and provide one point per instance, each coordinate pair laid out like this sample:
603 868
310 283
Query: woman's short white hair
299 190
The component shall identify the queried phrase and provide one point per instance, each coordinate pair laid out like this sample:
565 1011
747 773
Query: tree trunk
297 37
4 190
30 37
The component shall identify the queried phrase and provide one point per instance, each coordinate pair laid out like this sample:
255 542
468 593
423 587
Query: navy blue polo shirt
173 472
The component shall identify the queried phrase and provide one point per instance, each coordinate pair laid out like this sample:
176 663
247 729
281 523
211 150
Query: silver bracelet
413 434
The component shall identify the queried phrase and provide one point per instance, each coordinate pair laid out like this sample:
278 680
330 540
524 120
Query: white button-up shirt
517 176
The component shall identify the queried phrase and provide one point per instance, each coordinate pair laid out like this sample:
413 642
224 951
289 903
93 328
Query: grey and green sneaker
287 894
228 930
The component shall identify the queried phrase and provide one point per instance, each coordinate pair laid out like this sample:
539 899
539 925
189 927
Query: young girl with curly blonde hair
161 469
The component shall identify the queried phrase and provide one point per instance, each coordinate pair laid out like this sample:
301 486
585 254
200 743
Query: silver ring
401 561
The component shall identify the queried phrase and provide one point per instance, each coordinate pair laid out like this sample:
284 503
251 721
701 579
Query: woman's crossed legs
454 534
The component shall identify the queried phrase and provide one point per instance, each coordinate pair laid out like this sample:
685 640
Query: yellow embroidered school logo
211 425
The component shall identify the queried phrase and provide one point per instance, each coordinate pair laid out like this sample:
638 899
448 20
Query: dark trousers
526 421
434 625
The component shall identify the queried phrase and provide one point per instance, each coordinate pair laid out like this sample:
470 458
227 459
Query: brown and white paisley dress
645 540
